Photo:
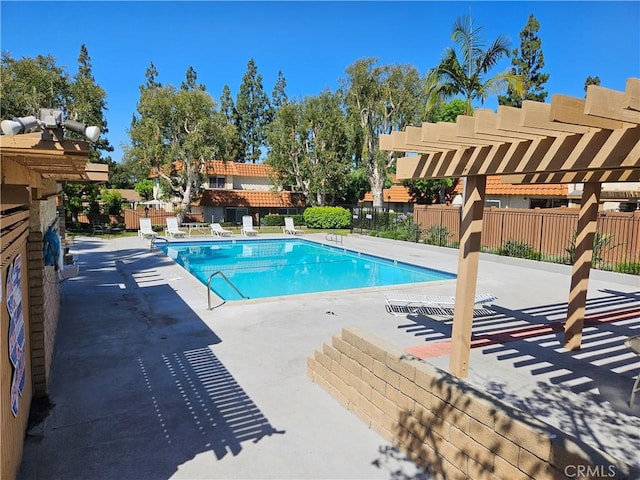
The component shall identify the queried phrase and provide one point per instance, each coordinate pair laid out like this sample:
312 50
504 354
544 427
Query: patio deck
148 383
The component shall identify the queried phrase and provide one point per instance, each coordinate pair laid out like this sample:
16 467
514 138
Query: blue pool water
268 268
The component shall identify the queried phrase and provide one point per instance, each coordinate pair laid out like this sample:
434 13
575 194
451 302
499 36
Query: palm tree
465 74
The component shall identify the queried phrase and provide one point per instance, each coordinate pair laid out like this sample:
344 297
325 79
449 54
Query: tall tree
29 84
252 107
87 104
279 96
464 72
309 147
591 81
232 144
175 132
528 63
380 99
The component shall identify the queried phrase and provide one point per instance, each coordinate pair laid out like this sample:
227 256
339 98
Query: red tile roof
399 194
496 187
250 198
219 167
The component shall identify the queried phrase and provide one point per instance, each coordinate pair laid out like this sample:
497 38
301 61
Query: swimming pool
269 268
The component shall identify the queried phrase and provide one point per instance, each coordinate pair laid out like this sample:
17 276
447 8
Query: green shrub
373 233
327 217
514 248
632 268
437 235
394 235
405 227
112 200
273 220
601 243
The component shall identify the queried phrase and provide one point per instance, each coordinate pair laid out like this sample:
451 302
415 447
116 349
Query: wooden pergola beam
602 176
569 141
611 104
468 259
587 224
567 109
632 94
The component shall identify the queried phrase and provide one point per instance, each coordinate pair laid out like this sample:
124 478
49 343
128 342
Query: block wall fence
446 426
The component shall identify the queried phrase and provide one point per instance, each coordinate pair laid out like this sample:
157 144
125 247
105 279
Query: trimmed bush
327 217
277 220
273 220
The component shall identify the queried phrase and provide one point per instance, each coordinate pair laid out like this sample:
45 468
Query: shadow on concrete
585 393
136 389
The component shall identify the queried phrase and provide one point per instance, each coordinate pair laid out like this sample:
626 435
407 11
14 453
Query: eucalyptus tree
465 71
528 63
252 114
174 133
309 147
380 99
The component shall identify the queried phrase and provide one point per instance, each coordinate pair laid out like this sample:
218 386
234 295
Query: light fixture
92 133
50 124
18 125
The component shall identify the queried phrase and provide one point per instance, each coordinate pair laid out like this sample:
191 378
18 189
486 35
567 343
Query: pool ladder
226 280
334 237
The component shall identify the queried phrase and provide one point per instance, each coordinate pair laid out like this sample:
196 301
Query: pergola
570 140
29 160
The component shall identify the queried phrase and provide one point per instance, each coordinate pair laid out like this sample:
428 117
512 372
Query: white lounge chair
289 227
247 226
145 229
172 228
438 306
216 229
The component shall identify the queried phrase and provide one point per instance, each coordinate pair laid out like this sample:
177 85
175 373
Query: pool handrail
334 237
226 280
153 240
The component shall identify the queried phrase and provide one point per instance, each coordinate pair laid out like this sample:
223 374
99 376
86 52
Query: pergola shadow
585 392
138 390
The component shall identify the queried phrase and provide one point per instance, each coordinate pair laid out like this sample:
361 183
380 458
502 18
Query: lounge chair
247 226
438 306
289 227
172 228
216 229
145 229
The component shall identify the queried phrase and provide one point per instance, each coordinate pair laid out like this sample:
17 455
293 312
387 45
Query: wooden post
587 223
470 237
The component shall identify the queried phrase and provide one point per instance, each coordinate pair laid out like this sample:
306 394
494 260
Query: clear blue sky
312 43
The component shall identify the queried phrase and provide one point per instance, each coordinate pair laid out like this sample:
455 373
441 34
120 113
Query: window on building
235 214
287 211
217 182
548 202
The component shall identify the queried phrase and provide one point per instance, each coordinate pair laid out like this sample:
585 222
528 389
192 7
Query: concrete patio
148 383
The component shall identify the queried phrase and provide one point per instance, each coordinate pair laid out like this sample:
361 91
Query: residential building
624 197
232 190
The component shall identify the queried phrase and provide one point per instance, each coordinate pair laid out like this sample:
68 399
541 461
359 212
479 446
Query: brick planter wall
443 424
